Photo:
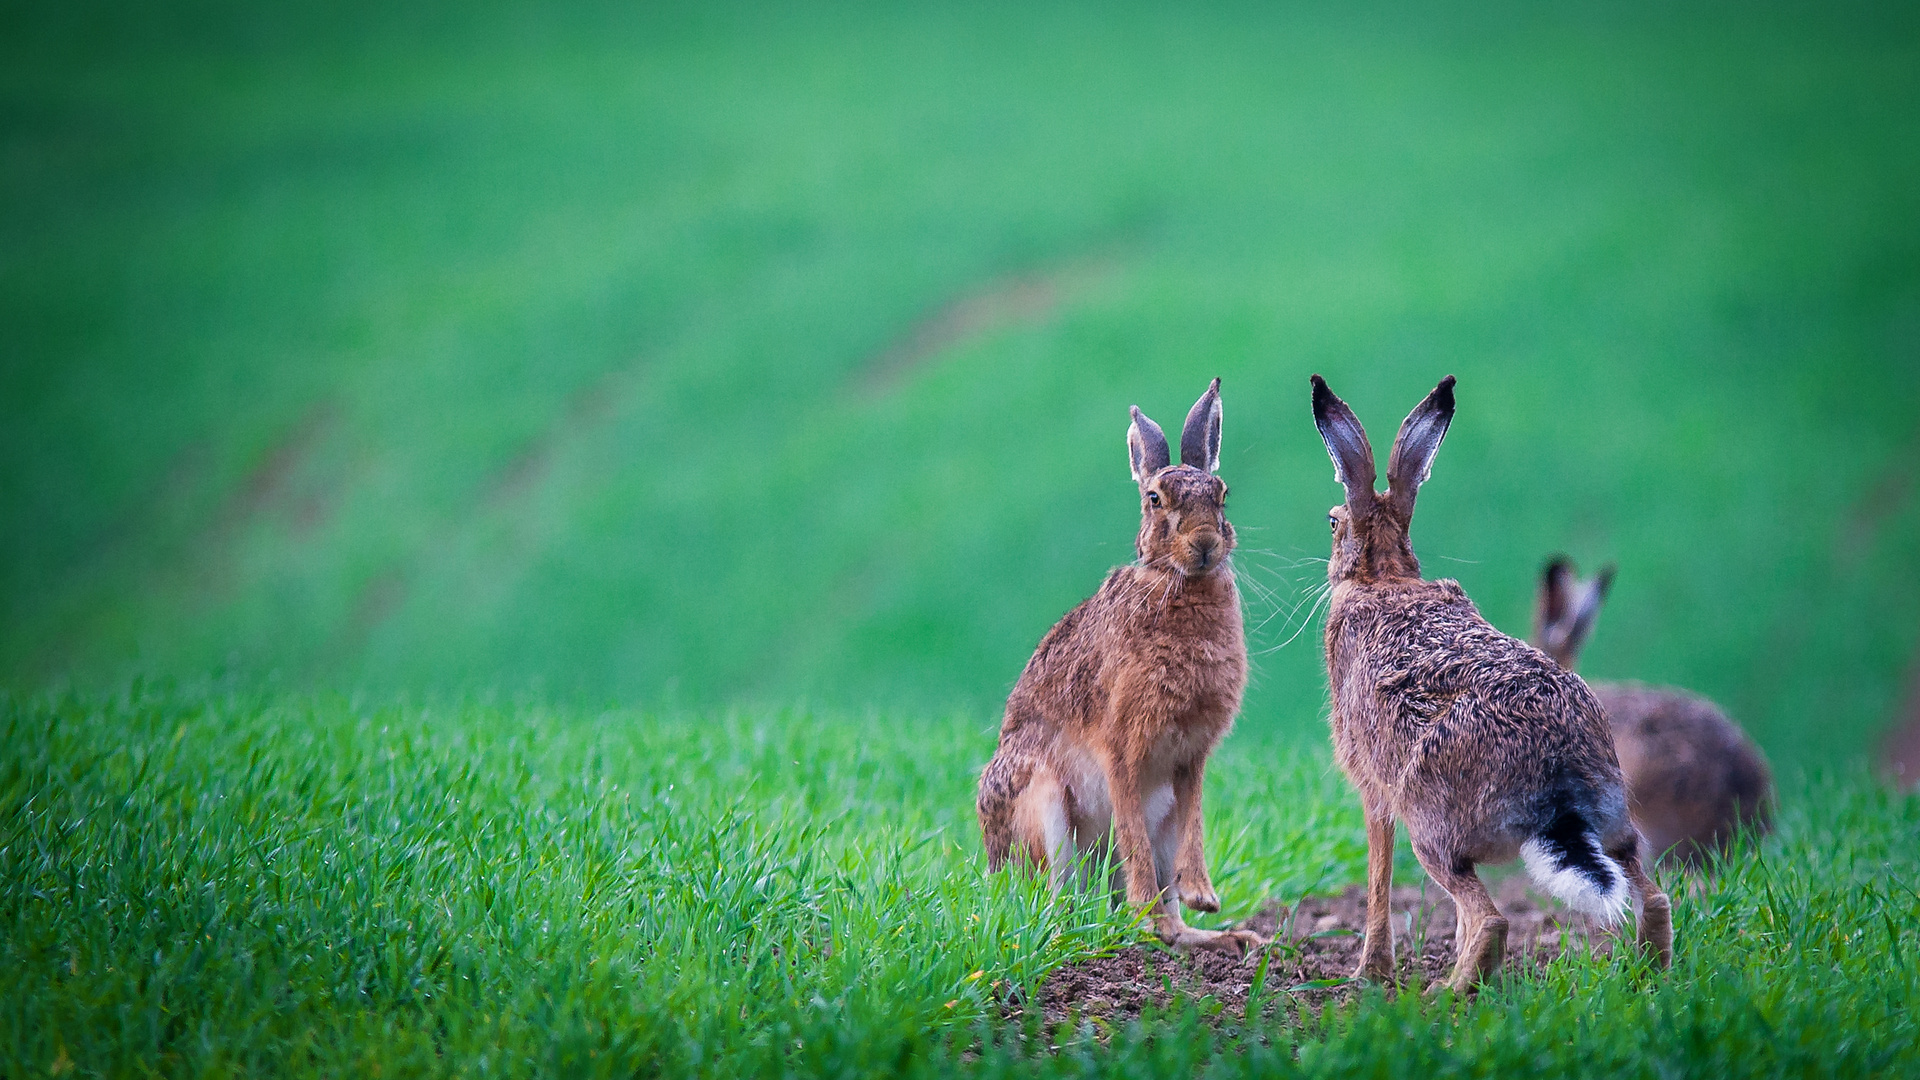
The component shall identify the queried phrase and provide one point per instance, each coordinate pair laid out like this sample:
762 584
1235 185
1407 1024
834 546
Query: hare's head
1565 608
1183 508
1370 530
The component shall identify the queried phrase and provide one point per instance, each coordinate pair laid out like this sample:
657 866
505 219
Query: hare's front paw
1197 893
1376 965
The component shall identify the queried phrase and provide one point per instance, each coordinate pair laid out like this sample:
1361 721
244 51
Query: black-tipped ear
1347 444
1146 447
1413 449
1200 439
1553 600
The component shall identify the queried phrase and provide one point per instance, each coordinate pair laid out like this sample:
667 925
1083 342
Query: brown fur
1107 732
1474 740
1694 779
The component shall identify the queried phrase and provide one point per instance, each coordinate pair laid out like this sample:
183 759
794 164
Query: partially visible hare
1108 730
1693 777
1479 742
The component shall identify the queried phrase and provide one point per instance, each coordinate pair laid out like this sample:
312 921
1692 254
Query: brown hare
1108 730
1482 745
1693 777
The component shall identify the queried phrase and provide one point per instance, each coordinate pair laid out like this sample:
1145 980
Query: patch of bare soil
1316 946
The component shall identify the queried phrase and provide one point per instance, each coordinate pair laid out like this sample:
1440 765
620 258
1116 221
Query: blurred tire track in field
1019 299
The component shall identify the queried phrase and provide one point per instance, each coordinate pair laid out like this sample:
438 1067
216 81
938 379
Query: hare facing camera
1478 742
1108 729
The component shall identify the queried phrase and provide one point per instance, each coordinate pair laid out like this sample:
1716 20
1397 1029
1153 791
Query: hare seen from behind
1482 745
1108 729
1694 779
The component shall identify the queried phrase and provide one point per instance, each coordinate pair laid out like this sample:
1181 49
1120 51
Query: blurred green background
709 354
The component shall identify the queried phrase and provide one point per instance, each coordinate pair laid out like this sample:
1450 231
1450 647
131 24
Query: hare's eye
1333 523
1153 497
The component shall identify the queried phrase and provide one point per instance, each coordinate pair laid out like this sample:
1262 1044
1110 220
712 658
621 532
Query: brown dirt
1316 946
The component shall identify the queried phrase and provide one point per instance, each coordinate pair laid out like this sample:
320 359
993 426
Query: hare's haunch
1108 730
1478 742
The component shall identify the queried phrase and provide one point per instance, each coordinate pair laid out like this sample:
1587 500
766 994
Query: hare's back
1520 717
1438 653
1486 718
1065 667
1661 728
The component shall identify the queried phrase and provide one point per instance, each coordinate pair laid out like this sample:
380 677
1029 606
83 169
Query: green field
428 433
208 884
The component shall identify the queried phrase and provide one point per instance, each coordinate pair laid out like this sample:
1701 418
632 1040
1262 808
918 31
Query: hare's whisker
1321 598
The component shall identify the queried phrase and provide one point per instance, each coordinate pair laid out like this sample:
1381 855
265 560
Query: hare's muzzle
1203 550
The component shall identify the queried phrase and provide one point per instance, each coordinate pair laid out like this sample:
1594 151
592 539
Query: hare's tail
1566 860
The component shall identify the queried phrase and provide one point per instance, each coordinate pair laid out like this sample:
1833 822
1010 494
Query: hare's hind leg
1042 826
1001 783
1655 933
1481 934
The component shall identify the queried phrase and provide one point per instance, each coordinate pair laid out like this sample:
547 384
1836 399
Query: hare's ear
1418 441
1347 443
1146 447
1553 600
1200 440
1586 609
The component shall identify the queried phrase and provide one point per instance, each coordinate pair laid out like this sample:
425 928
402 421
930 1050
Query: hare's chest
1196 669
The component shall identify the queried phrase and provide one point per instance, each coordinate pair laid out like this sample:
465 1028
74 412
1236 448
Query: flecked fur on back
1479 743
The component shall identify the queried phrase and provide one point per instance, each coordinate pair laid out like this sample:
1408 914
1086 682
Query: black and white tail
1566 861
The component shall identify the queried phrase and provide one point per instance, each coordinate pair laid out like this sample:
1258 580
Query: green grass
207 883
